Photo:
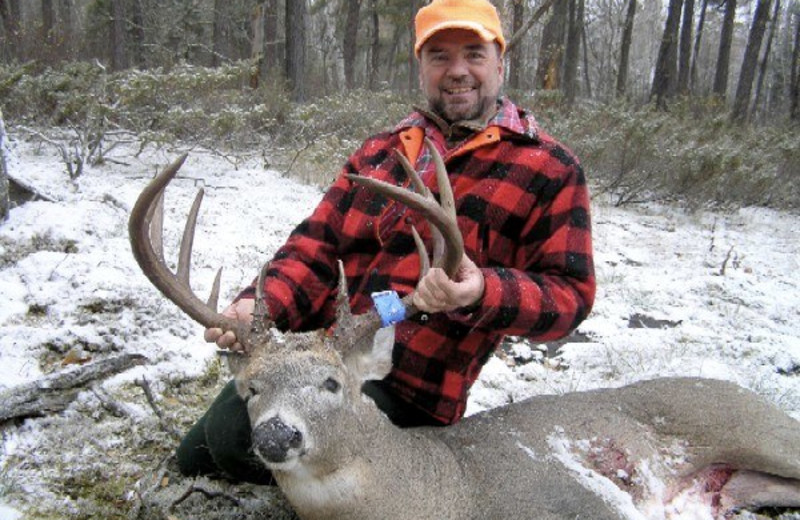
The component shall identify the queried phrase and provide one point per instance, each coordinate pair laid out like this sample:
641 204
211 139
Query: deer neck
392 469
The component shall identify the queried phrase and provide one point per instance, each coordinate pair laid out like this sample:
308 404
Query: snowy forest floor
698 293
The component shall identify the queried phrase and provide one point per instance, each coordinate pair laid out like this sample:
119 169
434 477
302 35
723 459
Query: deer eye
331 385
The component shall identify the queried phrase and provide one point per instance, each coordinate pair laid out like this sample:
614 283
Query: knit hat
479 16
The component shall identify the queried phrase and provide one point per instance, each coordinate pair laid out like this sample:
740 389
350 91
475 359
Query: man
523 209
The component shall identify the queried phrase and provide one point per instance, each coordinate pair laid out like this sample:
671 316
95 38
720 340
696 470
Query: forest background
693 101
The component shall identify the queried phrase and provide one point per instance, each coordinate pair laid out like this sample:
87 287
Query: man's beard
479 109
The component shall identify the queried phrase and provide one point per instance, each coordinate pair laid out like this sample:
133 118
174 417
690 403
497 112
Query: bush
638 154
631 154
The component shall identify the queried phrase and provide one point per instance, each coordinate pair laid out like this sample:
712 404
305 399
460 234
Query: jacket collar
507 117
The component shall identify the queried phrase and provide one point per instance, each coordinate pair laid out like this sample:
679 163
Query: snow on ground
704 294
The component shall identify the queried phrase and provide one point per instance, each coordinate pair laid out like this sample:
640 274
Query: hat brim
475 27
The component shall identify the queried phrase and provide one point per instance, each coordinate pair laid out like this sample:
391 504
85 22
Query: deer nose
273 439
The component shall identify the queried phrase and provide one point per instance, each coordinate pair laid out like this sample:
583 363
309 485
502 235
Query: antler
146 235
351 330
448 243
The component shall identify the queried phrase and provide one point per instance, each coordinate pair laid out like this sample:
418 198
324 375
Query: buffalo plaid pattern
523 209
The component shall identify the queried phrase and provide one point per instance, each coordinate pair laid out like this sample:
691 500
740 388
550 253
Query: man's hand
438 293
241 311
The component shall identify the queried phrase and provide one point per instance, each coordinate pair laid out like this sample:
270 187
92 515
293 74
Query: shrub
631 154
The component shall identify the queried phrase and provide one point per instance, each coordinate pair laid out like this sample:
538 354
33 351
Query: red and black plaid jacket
523 209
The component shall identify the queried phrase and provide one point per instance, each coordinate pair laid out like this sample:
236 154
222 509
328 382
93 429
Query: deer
641 451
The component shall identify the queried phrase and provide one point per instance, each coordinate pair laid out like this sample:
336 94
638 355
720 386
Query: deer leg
752 490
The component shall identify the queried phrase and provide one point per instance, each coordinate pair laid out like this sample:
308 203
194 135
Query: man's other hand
241 311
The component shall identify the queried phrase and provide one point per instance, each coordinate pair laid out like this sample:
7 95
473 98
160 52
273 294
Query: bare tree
515 63
572 53
271 47
551 52
67 17
221 29
697 40
586 79
516 37
794 95
4 201
665 79
412 59
48 24
625 48
14 28
762 72
137 32
741 102
295 60
375 46
684 57
350 43
119 56
724 56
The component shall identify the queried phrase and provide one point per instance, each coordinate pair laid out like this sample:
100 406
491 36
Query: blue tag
389 307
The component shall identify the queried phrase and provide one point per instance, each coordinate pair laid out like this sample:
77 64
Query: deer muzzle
273 440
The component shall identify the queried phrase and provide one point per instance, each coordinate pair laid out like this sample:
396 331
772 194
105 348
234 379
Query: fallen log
54 392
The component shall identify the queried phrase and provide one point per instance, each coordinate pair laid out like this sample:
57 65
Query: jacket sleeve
303 272
548 288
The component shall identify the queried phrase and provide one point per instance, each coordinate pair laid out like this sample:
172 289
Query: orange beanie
479 16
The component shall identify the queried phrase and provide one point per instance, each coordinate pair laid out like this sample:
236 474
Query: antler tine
442 217
174 287
187 241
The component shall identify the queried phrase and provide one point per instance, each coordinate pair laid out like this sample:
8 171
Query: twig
725 262
194 488
148 392
114 407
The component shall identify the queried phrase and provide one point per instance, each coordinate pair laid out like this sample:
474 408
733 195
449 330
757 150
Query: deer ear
375 362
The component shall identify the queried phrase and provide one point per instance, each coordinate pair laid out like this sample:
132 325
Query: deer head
302 389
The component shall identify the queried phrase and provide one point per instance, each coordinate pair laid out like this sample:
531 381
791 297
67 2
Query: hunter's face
460 74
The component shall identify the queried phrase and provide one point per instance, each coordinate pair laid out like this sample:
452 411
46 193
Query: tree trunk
375 47
724 56
412 59
794 101
586 80
4 201
119 57
67 16
665 79
517 36
10 12
762 73
48 22
684 59
573 51
697 40
350 43
515 60
625 48
137 33
551 52
220 33
745 87
271 46
296 48
257 45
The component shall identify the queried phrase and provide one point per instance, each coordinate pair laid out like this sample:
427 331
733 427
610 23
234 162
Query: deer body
604 454
628 453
